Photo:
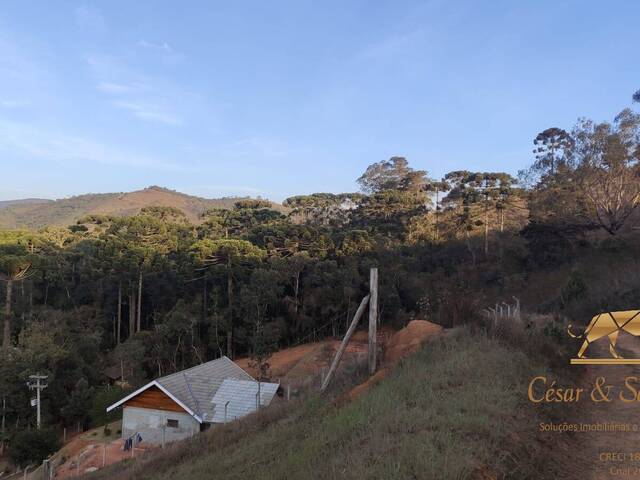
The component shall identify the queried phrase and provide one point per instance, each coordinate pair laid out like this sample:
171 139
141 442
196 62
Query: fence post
345 341
373 319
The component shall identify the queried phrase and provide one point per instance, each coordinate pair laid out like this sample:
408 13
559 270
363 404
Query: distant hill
24 201
34 213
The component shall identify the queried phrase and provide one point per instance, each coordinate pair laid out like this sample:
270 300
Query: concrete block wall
148 422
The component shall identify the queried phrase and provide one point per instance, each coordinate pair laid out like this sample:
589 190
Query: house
181 404
114 376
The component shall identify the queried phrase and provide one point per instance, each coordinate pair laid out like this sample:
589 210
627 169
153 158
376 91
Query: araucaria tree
15 263
253 276
229 255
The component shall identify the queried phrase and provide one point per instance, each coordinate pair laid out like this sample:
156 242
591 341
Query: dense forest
153 293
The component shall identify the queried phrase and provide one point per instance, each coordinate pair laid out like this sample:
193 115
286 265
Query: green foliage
575 289
153 293
103 397
555 330
428 413
31 447
393 174
77 408
323 208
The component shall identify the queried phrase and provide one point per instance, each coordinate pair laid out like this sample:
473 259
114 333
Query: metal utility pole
37 382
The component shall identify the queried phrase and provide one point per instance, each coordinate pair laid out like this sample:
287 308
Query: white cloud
22 139
207 190
392 46
250 149
260 146
152 113
119 88
12 103
164 46
144 97
90 18
167 54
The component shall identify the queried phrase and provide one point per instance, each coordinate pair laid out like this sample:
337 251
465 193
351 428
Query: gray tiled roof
241 395
196 386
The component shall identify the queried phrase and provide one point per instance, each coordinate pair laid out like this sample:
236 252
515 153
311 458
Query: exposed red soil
401 344
297 364
409 339
294 366
92 457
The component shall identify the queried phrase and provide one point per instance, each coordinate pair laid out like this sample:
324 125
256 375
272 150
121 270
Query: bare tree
608 171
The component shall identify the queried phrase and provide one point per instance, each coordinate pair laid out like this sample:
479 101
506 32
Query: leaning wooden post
373 320
345 341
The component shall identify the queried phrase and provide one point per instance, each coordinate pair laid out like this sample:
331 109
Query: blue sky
281 98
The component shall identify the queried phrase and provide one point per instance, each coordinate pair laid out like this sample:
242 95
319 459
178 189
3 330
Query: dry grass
445 413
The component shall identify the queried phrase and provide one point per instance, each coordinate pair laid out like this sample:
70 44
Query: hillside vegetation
25 201
437 416
36 214
155 292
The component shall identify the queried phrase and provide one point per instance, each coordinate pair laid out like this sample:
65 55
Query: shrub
31 447
102 398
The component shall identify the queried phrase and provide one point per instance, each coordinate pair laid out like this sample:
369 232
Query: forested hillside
163 289
35 213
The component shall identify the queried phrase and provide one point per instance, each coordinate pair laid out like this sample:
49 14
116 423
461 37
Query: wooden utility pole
2 429
373 319
345 341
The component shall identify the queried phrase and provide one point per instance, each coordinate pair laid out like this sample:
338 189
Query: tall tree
437 188
478 193
236 221
323 208
392 174
608 171
553 148
145 239
228 254
15 262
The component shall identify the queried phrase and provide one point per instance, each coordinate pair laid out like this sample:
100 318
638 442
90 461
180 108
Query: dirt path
608 454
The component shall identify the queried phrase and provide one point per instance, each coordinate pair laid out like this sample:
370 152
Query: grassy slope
446 412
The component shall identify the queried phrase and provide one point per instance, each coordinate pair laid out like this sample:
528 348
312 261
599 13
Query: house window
172 423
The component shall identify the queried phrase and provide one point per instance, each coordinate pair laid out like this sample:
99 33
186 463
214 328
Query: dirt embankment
298 364
401 344
301 364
